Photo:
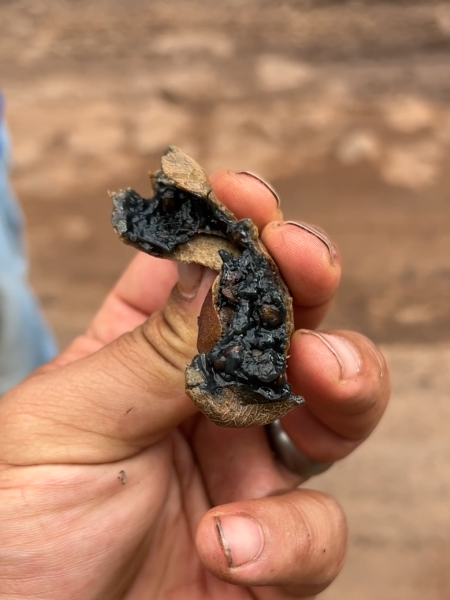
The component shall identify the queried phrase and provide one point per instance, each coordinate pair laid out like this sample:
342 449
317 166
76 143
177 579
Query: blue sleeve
25 339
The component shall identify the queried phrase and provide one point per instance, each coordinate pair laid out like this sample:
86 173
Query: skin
113 486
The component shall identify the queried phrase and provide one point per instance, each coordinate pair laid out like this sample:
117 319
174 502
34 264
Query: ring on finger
290 456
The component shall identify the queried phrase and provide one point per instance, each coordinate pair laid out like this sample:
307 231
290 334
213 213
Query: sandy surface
345 109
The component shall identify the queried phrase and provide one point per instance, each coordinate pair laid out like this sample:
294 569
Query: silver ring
290 456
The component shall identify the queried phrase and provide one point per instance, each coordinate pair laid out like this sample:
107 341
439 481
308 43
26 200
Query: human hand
112 485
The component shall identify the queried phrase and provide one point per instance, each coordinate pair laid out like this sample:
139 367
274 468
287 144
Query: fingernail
189 279
241 538
378 357
264 182
319 234
345 353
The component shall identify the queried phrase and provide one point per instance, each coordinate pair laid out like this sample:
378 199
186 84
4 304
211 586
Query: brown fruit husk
234 406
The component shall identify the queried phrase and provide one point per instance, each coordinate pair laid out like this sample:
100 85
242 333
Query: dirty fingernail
189 279
319 234
241 538
264 182
344 351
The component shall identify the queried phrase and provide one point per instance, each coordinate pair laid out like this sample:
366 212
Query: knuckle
128 357
170 339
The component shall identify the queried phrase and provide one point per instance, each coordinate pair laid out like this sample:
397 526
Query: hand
113 486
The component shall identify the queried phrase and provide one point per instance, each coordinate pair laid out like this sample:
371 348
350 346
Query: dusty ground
345 107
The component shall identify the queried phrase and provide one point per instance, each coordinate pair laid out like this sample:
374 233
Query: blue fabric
25 339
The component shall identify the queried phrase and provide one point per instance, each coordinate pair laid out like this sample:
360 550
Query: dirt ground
345 107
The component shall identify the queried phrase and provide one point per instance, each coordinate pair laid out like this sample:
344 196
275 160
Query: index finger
308 260
310 265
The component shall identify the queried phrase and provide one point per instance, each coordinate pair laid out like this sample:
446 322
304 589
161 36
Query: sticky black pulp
251 352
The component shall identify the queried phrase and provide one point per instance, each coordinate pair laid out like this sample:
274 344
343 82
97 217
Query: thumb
117 401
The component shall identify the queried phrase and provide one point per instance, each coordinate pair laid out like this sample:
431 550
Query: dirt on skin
344 107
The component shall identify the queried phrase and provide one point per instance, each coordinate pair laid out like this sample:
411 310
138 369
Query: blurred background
345 107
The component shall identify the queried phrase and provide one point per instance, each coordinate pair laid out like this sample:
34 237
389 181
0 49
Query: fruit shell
235 406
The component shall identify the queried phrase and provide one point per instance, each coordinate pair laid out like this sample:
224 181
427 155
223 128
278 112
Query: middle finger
310 265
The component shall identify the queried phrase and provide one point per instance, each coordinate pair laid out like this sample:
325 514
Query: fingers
237 463
346 384
296 541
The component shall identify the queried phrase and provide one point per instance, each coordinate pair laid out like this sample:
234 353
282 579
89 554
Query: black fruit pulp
251 353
